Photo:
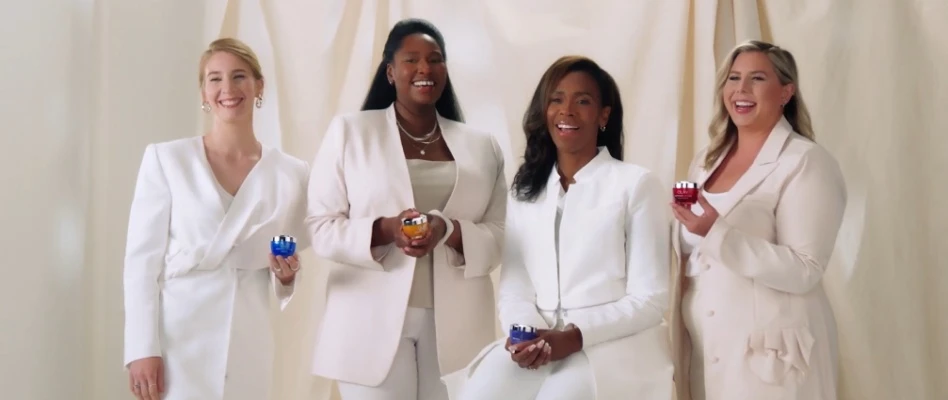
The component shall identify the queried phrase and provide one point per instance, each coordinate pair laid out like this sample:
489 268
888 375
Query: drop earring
259 102
206 107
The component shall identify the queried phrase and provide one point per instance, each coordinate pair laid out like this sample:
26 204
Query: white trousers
499 377
415 374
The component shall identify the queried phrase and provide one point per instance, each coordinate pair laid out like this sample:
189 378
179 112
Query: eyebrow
580 93
750 72
218 72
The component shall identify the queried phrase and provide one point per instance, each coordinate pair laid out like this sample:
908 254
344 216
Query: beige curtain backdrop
86 84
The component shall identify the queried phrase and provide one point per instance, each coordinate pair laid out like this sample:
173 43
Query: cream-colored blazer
360 175
197 282
770 331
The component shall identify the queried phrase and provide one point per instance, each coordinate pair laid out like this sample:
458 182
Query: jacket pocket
780 355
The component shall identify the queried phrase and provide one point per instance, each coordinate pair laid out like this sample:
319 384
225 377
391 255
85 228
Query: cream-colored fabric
87 83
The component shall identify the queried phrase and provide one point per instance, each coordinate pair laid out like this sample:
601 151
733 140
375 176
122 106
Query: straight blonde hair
722 130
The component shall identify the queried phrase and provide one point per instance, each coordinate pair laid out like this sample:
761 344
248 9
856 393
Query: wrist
575 335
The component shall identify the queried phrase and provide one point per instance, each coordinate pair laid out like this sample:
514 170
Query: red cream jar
685 193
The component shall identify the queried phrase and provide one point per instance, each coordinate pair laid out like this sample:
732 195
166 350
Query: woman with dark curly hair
586 255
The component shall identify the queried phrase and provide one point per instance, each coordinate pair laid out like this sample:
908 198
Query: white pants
499 377
415 373
693 323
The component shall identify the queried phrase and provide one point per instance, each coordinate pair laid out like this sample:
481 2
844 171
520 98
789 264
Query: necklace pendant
422 152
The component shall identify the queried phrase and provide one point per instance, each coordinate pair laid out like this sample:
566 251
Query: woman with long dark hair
586 256
401 311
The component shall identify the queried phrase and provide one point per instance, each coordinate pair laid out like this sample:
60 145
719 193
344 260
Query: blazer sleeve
808 217
648 252
336 236
517 298
148 231
483 240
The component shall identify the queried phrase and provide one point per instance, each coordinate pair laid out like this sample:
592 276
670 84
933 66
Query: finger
704 202
541 354
153 389
137 391
524 353
294 263
544 357
414 252
680 215
284 265
530 356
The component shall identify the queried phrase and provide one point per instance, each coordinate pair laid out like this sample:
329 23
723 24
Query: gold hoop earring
259 102
206 107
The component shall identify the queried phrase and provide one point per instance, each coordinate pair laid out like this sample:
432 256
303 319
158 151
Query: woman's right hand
146 378
401 240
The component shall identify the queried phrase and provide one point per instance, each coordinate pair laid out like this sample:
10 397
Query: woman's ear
390 74
604 115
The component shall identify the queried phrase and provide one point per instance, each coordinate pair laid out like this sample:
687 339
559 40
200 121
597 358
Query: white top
690 241
432 183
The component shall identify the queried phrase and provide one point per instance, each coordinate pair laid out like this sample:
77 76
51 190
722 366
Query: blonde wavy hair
234 47
722 130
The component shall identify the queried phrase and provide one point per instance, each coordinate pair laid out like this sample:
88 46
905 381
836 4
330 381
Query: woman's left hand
696 224
285 269
422 246
556 345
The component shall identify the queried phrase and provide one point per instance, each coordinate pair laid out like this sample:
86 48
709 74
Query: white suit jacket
610 277
197 280
769 330
359 175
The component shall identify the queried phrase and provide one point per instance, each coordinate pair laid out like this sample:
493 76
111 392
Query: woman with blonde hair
751 319
198 267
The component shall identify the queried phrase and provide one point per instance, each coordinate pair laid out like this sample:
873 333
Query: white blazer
610 275
197 278
360 175
769 329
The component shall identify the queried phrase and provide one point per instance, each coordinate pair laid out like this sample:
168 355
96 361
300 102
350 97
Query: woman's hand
696 224
549 346
285 268
146 378
422 246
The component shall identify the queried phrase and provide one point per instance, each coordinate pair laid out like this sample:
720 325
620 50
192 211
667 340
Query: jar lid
686 185
284 238
419 220
523 328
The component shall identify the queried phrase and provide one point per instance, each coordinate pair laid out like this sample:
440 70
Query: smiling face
575 113
229 87
753 93
418 70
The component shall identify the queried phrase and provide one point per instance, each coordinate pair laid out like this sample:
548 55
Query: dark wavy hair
540 153
382 94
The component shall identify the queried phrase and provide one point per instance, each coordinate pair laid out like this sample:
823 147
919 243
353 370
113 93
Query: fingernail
532 347
541 343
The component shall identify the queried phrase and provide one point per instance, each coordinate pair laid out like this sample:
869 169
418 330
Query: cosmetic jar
685 193
415 228
283 245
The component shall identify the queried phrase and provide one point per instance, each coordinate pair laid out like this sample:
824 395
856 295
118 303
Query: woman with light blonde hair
750 317
198 267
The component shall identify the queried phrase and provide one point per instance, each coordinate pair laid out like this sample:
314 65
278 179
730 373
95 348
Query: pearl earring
206 106
259 102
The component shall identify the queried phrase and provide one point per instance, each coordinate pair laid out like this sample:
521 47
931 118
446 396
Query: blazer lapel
463 161
764 164
397 168
237 219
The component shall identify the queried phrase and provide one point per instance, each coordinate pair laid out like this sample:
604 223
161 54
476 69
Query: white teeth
564 126
423 83
744 103
229 103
